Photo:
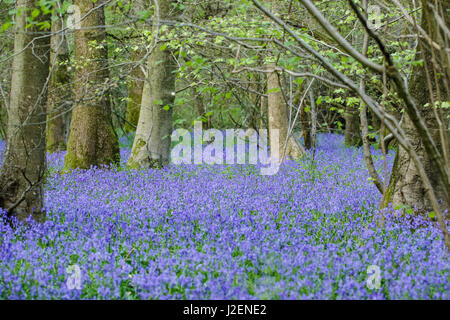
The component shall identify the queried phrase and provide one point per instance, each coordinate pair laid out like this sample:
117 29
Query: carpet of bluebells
222 232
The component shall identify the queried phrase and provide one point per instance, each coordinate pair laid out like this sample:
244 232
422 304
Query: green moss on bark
387 199
133 107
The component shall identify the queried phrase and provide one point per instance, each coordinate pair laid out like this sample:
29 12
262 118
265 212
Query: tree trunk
151 146
137 76
135 93
306 123
305 120
92 139
59 79
255 101
201 108
278 120
406 187
263 111
3 121
24 166
352 134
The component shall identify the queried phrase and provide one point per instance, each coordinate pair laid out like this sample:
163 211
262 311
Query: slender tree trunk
59 79
151 146
135 93
278 120
376 123
304 119
263 123
200 106
364 123
312 100
92 139
406 187
24 166
305 122
255 102
3 121
198 102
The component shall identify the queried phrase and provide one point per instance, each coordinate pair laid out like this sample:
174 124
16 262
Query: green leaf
179 121
35 13
273 90
299 81
319 100
5 26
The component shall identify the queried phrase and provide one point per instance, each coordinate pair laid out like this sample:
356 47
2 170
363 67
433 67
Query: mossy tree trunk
3 121
58 86
352 133
135 89
92 139
406 187
306 126
24 166
151 146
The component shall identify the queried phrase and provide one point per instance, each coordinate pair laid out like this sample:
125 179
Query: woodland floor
222 232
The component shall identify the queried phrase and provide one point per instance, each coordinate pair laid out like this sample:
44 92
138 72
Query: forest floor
223 232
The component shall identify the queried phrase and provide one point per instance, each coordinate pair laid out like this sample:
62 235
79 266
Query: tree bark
255 102
92 139
3 122
59 79
305 120
352 134
278 120
151 146
200 106
406 187
24 166
137 76
364 122
135 94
